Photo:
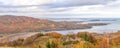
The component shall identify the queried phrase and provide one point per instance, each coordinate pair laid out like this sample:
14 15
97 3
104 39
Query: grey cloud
53 7
74 3
57 9
19 6
66 3
1 3
15 11
71 3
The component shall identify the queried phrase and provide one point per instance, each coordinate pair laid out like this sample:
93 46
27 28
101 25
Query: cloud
61 7
72 3
1 3
52 3
114 4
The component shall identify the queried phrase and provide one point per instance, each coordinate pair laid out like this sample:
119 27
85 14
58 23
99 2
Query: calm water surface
114 25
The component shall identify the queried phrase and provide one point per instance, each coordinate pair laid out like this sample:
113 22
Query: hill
13 24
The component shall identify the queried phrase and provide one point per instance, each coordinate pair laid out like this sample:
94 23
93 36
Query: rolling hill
13 24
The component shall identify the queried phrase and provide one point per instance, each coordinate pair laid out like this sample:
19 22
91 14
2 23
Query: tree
79 45
83 44
54 43
104 43
86 36
54 35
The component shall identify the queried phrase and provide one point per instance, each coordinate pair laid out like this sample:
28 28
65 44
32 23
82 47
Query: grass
118 46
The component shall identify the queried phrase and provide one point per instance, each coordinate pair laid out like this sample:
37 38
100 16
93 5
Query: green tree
54 43
87 37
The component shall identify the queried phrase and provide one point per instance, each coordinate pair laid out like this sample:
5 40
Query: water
84 19
114 25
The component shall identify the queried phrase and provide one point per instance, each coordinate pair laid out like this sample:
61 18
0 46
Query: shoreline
98 24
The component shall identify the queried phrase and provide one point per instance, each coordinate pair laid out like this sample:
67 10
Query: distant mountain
12 24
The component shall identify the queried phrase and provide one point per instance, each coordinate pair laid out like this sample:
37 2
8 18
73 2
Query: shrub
54 34
54 43
83 44
86 36
104 43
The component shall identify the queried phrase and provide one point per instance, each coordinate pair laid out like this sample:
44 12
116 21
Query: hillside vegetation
56 40
12 24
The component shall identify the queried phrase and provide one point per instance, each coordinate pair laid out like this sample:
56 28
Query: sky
61 8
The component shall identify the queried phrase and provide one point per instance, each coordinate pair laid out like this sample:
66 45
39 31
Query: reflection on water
114 26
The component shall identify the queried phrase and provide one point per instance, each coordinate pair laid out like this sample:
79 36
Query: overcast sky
62 8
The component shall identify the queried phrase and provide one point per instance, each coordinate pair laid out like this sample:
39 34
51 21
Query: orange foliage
54 43
23 24
83 44
104 43
54 34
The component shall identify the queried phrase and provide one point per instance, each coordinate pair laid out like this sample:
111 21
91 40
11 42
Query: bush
83 44
54 43
54 35
86 36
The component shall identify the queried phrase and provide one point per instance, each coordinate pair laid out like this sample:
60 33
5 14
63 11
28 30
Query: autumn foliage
54 35
54 43
56 40
13 24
